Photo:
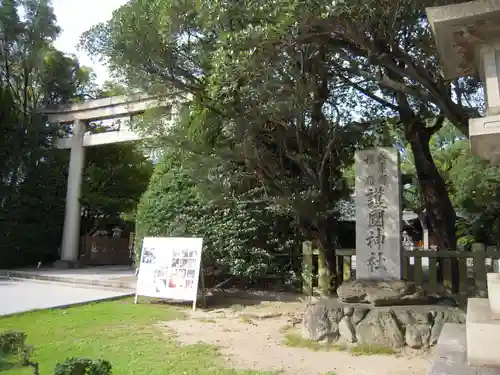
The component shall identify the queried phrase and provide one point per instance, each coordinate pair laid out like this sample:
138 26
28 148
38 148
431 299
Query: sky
75 17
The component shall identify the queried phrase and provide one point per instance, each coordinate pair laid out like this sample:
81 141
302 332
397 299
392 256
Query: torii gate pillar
72 213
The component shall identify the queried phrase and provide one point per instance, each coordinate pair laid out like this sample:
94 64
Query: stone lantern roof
468 41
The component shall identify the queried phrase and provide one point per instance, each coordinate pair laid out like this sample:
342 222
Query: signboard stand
170 269
135 298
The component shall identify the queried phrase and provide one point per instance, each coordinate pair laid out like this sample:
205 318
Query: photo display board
170 268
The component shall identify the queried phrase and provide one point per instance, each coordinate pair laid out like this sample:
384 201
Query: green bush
14 351
240 237
12 342
83 366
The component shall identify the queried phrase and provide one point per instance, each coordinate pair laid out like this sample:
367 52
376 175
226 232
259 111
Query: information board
170 268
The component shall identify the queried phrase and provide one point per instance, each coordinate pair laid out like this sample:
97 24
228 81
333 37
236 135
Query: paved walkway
18 296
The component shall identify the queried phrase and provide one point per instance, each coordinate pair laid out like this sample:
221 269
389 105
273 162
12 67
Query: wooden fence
105 251
420 266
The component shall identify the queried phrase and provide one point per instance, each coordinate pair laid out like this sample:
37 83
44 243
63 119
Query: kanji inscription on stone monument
378 214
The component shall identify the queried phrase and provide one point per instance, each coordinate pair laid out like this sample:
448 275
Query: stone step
483 334
451 350
494 294
128 283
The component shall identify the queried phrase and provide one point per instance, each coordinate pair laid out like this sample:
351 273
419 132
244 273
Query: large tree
32 174
292 155
388 54
287 79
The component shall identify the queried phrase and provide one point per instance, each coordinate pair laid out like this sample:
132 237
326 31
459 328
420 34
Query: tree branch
388 83
372 96
438 124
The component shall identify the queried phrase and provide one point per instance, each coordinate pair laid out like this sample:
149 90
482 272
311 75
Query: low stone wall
330 320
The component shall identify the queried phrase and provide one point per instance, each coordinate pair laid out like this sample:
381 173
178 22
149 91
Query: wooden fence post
323 274
347 266
418 273
432 275
462 275
479 252
496 265
307 268
447 272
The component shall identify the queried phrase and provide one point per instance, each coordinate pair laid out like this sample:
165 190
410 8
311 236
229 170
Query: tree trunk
327 244
437 203
323 242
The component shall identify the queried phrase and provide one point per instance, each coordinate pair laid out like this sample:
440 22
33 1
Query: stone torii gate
79 115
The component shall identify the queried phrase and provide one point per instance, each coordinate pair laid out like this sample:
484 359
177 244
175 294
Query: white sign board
170 268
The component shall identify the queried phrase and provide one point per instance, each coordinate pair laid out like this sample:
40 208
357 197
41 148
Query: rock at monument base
380 328
320 323
347 330
416 326
359 314
348 311
417 335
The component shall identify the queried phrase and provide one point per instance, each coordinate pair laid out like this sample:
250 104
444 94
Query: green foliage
239 236
115 177
83 366
64 79
477 183
272 140
447 145
12 342
111 88
14 351
477 194
473 186
282 83
32 174
28 236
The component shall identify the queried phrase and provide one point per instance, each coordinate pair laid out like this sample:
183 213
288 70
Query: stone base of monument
417 326
388 293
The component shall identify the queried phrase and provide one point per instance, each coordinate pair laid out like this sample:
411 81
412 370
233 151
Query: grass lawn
118 331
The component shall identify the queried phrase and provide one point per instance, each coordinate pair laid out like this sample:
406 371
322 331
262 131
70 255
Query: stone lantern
468 41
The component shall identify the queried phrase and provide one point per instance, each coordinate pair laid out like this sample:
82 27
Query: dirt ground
251 337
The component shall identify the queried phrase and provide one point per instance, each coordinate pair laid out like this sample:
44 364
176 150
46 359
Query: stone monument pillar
378 215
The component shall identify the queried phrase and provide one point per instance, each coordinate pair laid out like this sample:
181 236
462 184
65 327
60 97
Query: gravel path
257 344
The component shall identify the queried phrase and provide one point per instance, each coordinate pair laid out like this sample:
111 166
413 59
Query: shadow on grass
294 340
229 298
6 365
